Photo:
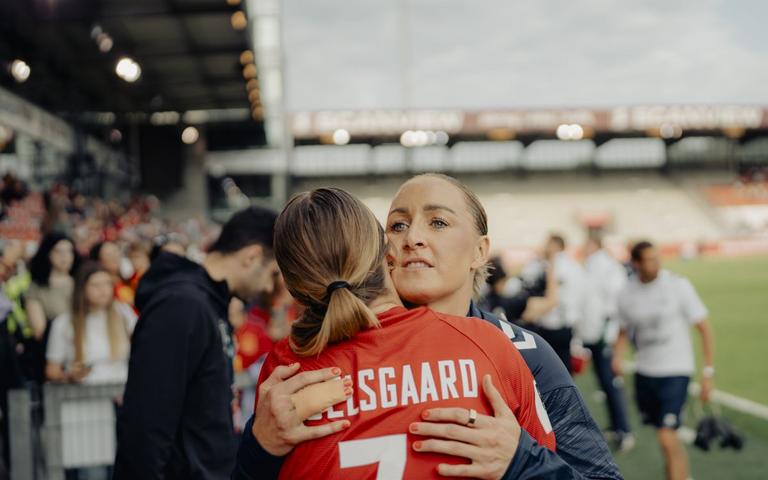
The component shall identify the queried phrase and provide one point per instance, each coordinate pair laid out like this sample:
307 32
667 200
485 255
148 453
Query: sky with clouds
364 54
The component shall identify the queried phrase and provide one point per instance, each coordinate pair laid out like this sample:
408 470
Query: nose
414 238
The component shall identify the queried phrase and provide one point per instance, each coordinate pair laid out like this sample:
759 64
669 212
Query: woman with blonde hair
90 344
438 237
332 254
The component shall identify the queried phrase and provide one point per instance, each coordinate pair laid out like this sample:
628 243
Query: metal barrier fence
72 428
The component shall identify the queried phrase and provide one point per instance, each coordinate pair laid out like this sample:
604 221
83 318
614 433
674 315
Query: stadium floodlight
246 57
341 137
238 20
105 42
422 138
250 72
190 135
128 69
570 132
668 130
20 70
441 138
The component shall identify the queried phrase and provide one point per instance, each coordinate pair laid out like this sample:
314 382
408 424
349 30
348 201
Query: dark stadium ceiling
188 51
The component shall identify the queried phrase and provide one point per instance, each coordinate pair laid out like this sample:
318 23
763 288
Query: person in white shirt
90 344
598 330
656 310
556 326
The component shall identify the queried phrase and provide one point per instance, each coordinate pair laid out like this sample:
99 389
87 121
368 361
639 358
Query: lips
416 264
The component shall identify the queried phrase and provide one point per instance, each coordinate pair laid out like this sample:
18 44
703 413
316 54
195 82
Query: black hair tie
335 286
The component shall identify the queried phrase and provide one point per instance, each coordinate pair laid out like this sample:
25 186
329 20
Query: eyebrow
431 207
427 208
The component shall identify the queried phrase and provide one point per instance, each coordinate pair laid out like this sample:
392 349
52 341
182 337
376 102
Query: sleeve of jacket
579 441
581 450
253 462
167 346
532 461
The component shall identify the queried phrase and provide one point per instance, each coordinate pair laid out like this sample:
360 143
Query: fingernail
293 364
347 391
414 428
425 414
347 382
336 371
346 424
417 445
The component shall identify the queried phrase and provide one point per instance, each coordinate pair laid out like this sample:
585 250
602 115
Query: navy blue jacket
581 450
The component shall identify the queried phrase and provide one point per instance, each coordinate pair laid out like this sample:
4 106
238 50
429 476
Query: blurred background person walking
656 310
598 329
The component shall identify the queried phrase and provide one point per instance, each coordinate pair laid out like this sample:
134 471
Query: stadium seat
624 153
485 156
557 155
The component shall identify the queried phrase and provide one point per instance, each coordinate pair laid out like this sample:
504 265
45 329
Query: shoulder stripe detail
527 342
507 329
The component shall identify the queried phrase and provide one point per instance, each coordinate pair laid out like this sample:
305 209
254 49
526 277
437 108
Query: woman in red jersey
397 362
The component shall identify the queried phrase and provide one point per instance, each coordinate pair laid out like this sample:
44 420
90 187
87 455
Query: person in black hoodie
176 419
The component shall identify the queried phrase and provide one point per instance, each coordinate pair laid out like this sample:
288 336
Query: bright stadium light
246 57
128 69
406 139
421 138
570 132
250 72
190 135
341 137
20 70
105 43
441 138
668 130
238 20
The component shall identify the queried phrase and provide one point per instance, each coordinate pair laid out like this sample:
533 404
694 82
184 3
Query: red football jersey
418 359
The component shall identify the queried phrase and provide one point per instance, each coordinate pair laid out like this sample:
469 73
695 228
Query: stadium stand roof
188 50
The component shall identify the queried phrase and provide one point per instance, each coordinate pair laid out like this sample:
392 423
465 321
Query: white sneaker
626 442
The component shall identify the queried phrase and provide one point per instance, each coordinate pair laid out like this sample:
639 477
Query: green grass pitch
736 292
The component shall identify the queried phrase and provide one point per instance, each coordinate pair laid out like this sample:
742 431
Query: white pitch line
734 402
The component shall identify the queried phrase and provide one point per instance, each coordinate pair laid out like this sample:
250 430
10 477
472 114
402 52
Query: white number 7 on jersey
389 451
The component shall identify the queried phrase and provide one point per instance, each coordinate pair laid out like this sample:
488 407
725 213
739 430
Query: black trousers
560 340
602 355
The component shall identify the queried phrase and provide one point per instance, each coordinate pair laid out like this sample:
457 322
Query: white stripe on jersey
526 343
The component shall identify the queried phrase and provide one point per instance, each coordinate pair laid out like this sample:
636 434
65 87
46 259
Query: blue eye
438 223
398 227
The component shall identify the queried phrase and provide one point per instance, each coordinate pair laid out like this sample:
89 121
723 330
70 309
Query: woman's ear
481 252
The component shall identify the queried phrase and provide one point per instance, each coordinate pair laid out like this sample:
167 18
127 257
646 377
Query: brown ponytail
327 236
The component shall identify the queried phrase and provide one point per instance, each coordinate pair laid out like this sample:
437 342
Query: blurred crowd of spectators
70 266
